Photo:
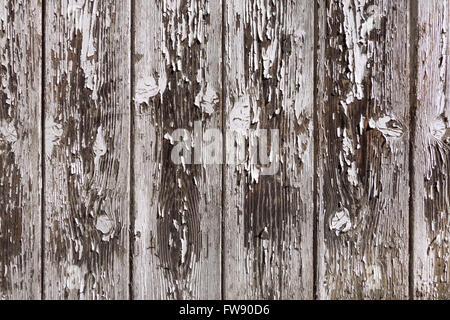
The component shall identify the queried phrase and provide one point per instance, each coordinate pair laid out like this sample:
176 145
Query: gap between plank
224 136
413 63
132 151
43 154
316 152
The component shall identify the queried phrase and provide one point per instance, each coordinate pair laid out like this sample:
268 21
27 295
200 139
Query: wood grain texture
432 153
269 67
363 121
305 125
20 149
177 226
87 124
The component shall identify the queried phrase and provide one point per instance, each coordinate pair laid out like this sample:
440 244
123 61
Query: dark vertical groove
316 152
413 63
43 24
132 150
224 94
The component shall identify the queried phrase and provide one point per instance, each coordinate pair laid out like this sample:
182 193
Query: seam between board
316 152
413 63
224 92
131 158
43 154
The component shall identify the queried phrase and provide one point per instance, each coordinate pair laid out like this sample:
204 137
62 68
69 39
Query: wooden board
431 191
363 169
177 85
87 127
20 149
269 77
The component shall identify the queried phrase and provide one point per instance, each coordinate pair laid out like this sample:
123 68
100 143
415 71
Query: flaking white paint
340 222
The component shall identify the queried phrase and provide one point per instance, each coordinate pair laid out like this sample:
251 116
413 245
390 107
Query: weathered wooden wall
93 207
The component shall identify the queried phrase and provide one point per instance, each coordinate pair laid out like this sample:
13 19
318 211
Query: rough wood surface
363 123
20 149
268 229
177 225
87 124
432 153
305 125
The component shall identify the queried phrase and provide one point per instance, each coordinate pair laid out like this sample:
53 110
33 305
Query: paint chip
105 225
99 147
240 115
148 88
53 133
388 126
268 56
74 280
353 174
207 100
8 132
439 129
340 223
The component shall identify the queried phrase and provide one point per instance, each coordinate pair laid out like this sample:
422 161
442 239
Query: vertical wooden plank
269 217
177 63
87 149
432 153
20 149
363 105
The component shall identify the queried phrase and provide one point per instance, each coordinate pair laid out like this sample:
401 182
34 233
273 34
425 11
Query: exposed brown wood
363 105
87 123
269 217
20 149
432 153
177 63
